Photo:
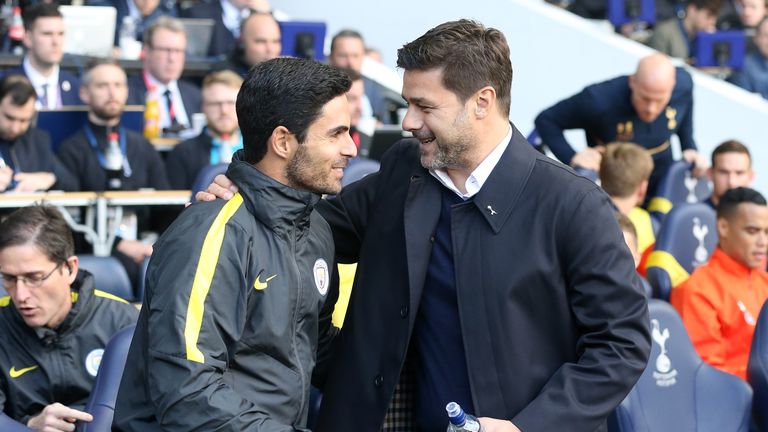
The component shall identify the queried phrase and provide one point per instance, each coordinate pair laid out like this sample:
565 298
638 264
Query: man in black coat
27 162
487 273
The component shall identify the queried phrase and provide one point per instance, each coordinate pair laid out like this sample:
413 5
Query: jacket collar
730 265
498 196
81 292
274 204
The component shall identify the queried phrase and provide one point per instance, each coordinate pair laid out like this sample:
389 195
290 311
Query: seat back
359 168
685 241
101 403
108 275
678 186
678 391
757 370
205 177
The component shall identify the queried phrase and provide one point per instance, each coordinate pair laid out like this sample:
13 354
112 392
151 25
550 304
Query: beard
106 113
453 151
306 173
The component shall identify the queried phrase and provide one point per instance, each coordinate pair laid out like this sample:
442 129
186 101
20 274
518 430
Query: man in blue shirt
754 75
646 108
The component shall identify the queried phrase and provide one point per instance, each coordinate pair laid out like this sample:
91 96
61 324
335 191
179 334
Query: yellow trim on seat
206 266
660 204
106 295
664 260
5 301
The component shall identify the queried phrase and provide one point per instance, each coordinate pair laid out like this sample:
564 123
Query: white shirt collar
38 80
477 179
133 11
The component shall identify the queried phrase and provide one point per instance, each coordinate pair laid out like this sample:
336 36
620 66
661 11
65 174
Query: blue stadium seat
757 370
534 139
8 424
358 168
686 239
677 186
205 177
101 403
109 275
678 391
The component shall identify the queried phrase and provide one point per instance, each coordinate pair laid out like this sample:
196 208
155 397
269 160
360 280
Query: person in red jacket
720 302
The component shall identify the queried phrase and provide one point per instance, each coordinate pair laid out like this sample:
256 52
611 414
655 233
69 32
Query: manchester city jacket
41 366
228 331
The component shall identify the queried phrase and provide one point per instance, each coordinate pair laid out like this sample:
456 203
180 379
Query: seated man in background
646 108
731 168
44 41
107 156
54 324
141 13
27 162
676 36
721 300
624 172
753 76
259 41
220 138
165 42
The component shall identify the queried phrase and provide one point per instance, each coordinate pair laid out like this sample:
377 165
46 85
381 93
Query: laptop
199 34
89 30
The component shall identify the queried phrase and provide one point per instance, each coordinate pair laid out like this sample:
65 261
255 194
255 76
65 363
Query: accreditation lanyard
127 172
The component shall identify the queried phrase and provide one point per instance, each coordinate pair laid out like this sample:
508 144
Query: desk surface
147 197
66 199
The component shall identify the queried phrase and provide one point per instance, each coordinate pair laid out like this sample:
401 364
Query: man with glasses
220 138
54 324
165 42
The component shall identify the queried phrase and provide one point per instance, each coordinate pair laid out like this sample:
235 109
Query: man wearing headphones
259 41
54 324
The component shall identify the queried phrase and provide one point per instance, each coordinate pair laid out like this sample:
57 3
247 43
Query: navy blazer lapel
421 213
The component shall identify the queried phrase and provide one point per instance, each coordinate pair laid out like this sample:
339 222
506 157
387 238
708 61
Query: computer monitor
383 138
721 49
89 30
303 39
199 33
622 12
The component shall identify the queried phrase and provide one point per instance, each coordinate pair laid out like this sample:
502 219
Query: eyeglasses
220 104
34 281
168 51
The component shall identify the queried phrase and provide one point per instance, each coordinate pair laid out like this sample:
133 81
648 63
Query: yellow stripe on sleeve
660 205
5 301
665 260
206 266
106 295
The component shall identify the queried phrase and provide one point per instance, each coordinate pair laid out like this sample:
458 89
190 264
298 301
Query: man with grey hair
165 42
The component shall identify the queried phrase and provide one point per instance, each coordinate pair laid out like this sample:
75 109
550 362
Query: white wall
554 54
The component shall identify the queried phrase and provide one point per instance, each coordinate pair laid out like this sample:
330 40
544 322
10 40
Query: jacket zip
295 321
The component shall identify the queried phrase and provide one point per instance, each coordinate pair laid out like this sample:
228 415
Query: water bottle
130 48
459 421
16 30
113 162
152 115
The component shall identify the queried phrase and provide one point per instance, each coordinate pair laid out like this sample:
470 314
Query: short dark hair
730 146
470 55
42 226
711 6
289 92
18 88
39 10
731 199
87 77
352 74
346 33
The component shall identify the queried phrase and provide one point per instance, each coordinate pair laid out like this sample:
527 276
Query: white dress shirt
53 98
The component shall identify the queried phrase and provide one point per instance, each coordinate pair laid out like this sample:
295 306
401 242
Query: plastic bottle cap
112 136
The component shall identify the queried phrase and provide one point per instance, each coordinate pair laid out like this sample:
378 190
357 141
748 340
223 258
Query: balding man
646 108
259 41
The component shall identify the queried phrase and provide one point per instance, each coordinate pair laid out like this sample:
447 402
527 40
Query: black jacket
187 159
32 152
60 364
554 322
227 334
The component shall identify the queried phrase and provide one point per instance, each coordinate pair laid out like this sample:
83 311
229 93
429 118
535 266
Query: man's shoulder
604 95
76 141
683 83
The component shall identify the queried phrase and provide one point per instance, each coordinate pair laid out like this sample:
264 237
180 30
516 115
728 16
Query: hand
699 162
135 249
57 417
260 5
495 425
32 182
6 176
222 187
588 158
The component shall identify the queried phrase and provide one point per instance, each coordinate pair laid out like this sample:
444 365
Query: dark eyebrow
338 129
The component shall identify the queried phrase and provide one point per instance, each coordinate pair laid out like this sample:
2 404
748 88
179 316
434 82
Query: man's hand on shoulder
57 417
699 162
588 158
495 425
222 187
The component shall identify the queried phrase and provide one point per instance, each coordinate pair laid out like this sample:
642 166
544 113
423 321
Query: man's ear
485 100
282 143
